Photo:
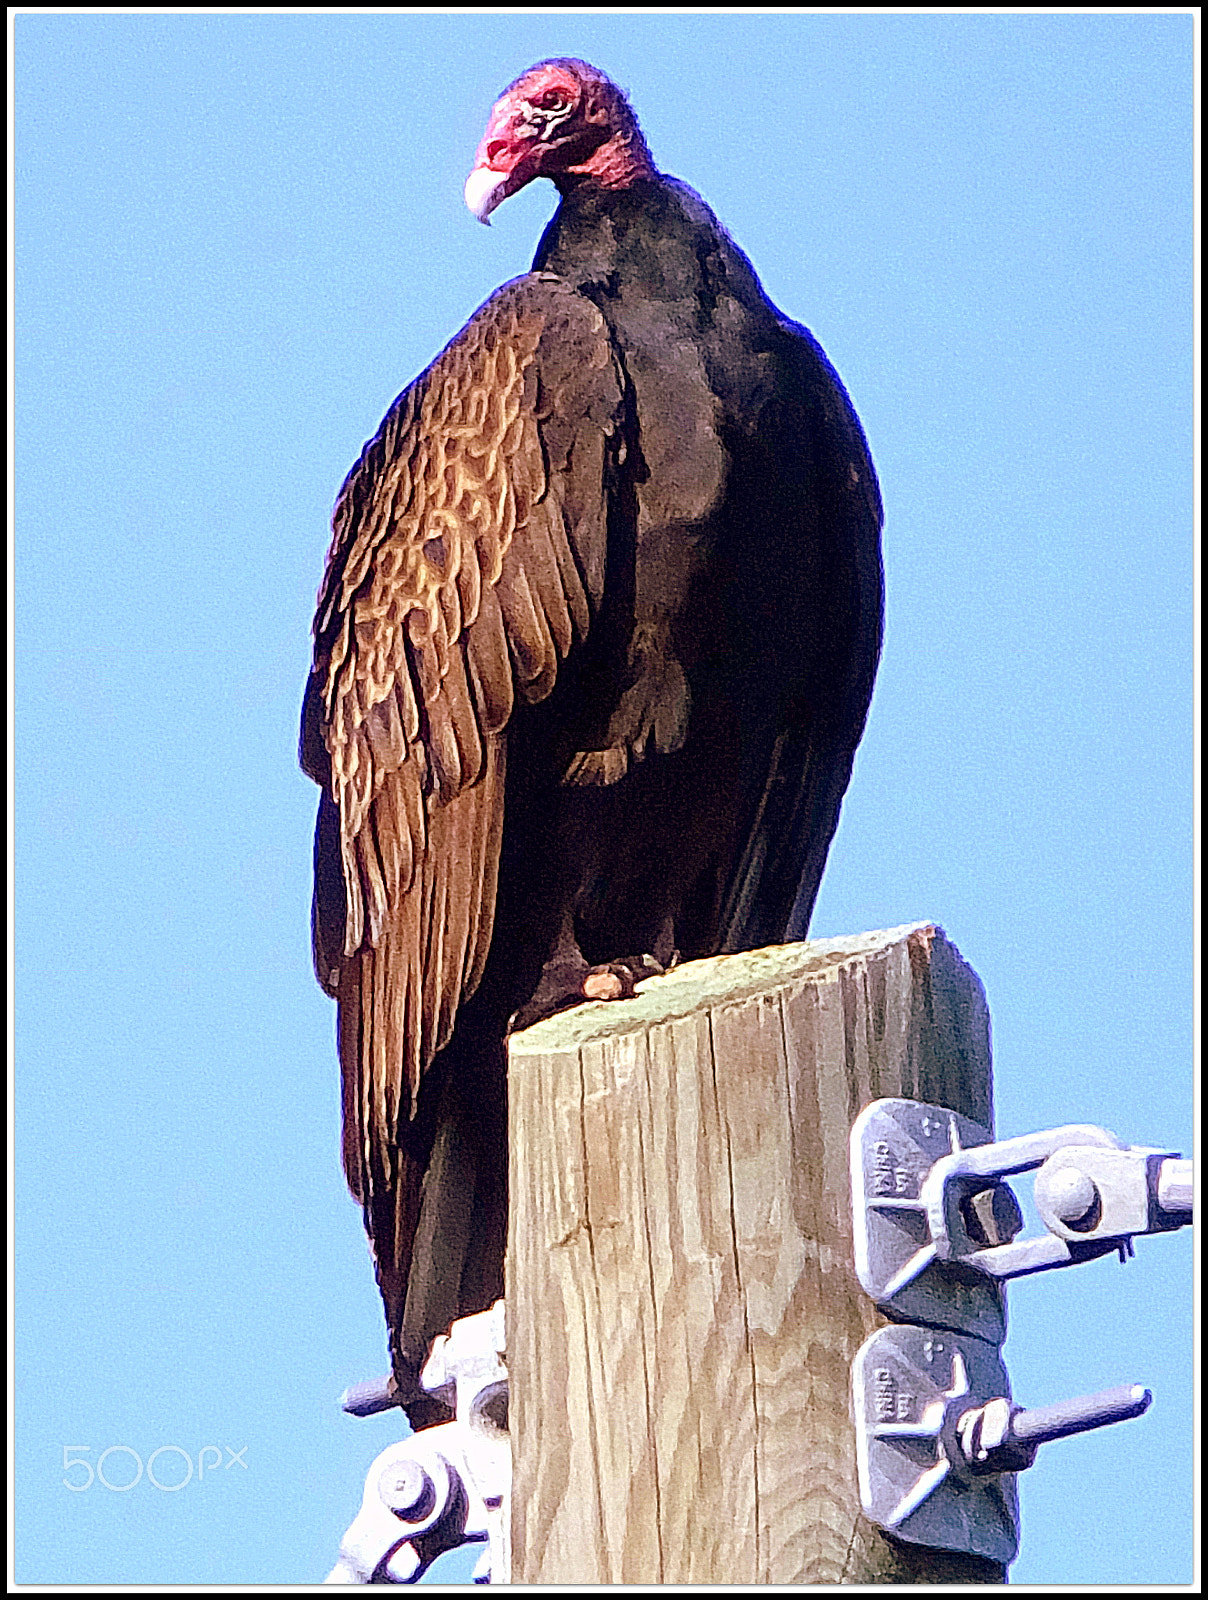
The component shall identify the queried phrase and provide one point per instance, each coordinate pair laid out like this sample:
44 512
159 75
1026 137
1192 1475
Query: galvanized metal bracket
935 1222
939 1441
938 1438
446 1486
911 1386
894 1146
418 1502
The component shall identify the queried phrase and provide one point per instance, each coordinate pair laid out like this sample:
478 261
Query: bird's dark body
678 787
748 511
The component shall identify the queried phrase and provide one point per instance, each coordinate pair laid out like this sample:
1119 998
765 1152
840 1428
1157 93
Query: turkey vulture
593 650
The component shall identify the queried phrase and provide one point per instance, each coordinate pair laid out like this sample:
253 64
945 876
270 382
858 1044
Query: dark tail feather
774 889
440 1232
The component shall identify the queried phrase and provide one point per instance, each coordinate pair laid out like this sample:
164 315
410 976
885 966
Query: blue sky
237 238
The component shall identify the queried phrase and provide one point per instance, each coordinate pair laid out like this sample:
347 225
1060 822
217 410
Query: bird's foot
567 981
560 985
618 980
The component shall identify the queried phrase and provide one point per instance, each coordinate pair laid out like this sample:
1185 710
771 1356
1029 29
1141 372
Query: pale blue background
237 238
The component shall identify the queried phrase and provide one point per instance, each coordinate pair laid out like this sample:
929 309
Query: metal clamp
894 1146
465 1369
935 1223
939 1441
1094 1195
445 1486
419 1501
1085 1194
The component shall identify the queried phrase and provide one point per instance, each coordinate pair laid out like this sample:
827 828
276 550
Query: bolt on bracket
939 1441
935 1223
418 1502
894 1146
445 1486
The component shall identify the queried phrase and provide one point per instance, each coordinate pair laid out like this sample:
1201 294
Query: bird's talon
606 983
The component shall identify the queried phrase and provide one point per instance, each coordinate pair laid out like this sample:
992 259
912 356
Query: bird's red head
562 119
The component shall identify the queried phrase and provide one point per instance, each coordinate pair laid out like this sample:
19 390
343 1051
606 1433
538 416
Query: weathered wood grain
682 1304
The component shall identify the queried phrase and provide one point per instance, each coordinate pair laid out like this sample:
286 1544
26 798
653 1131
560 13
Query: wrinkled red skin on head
504 145
592 142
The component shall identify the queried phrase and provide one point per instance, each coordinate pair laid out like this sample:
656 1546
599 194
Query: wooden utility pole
682 1302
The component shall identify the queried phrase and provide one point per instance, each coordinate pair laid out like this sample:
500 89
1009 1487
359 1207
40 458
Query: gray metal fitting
1001 1437
939 1440
445 1486
935 1223
1084 1194
419 1501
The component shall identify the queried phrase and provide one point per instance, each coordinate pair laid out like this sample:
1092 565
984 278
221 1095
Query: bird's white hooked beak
486 189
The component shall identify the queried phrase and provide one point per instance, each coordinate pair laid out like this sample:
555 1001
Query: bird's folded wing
467 558
774 882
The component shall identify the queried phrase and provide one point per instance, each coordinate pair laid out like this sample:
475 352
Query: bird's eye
553 100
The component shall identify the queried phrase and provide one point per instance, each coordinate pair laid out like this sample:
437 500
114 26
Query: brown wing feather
468 551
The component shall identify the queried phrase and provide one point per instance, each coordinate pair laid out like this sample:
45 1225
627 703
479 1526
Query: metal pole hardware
419 1501
939 1441
445 1486
938 1438
936 1224
1000 1437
